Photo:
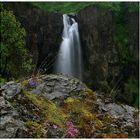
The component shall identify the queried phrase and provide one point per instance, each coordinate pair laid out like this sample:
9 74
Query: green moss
24 83
35 128
51 112
87 91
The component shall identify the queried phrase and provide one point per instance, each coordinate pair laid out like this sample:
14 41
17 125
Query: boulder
58 86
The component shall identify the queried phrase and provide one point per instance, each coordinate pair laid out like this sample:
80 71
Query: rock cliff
100 55
102 62
43 32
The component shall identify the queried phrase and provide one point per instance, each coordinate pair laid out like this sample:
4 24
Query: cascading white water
69 60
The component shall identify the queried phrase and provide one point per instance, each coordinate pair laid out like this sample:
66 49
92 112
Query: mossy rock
51 112
35 129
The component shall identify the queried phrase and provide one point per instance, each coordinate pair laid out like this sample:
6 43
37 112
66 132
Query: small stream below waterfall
69 59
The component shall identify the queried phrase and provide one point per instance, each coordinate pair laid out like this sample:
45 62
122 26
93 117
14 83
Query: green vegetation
63 7
131 91
73 110
15 60
74 7
48 108
35 128
127 60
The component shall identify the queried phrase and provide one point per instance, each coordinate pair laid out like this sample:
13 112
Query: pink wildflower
55 126
47 124
69 124
70 130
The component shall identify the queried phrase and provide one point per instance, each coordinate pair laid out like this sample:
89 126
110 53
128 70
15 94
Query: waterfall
69 60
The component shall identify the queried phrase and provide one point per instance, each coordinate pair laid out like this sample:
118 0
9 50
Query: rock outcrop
57 87
45 109
43 33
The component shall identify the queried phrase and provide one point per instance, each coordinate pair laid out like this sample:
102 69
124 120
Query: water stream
69 60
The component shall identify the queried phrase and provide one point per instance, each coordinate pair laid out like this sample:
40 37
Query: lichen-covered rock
43 110
10 124
58 86
11 89
124 117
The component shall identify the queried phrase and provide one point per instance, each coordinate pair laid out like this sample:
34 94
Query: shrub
15 60
132 91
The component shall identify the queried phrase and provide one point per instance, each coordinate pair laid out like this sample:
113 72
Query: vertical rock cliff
43 32
100 55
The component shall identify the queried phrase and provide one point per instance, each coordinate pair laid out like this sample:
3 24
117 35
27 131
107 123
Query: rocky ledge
57 106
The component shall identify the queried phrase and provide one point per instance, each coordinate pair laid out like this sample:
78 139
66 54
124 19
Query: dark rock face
132 22
43 32
100 55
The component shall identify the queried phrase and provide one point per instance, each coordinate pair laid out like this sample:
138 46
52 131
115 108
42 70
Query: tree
15 61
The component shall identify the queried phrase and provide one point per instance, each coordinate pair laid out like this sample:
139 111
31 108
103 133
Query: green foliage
2 80
15 61
121 40
127 61
63 7
68 7
132 91
74 7
113 6
133 7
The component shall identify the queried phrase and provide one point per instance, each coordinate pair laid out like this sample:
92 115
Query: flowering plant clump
71 131
31 82
48 124
55 126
